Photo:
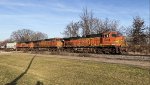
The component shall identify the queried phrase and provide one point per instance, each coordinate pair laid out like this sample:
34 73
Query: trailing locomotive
108 42
52 44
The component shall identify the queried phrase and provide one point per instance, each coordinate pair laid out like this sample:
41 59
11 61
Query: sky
52 16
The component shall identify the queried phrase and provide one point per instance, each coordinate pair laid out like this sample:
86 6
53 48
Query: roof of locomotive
116 32
42 40
87 36
93 35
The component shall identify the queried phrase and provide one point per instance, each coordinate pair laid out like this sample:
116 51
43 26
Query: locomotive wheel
94 51
113 51
71 50
123 52
99 51
106 50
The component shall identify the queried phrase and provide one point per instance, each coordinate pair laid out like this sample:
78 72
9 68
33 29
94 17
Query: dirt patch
139 61
106 59
2 52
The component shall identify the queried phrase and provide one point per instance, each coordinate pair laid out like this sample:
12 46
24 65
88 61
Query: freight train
108 43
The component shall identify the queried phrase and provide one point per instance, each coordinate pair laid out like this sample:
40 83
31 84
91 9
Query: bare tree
39 36
86 22
72 30
109 25
95 23
3 43
26 35
105 26
90 25
22 35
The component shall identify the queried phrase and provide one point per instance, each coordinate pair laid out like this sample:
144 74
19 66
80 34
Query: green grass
58 71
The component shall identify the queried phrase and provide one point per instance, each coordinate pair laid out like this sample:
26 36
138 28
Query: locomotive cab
114 39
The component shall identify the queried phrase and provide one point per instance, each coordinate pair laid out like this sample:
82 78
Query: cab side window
114 35
105 36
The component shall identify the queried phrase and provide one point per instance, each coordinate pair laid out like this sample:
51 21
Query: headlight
117 41
113 44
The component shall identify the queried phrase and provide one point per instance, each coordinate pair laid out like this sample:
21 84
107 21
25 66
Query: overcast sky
51 16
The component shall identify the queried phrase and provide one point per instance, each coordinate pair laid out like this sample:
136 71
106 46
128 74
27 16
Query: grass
57 71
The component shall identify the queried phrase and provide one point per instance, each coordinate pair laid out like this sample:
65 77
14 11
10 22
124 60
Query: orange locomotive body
47 44
54 42
113 38
114 42
108 42
76 42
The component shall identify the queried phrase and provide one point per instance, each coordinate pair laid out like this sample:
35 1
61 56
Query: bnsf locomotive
108 42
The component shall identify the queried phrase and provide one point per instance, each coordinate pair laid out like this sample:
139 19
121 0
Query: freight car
11 46
108 42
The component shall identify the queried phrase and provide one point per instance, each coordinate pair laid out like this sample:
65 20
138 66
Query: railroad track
108 56
127 57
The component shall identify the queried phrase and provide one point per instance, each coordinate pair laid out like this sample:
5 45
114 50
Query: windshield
116 35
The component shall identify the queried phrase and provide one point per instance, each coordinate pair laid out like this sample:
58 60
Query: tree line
137 35
25 35
89 25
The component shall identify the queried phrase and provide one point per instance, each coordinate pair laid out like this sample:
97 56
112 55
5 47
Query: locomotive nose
119 41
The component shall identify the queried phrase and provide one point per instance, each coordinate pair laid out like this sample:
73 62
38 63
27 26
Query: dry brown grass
51 70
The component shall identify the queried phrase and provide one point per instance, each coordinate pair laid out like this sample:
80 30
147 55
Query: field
31 69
